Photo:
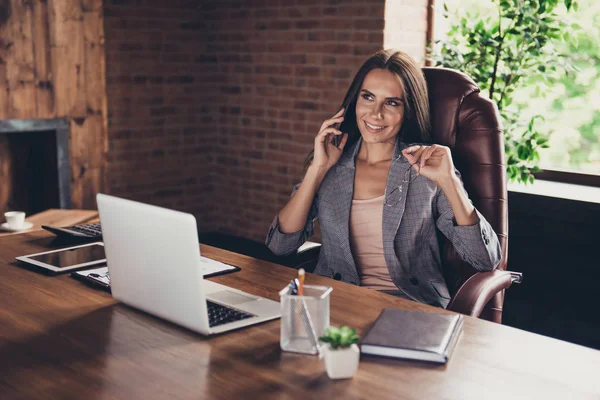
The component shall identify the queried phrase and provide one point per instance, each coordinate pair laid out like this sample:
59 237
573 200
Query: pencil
301 281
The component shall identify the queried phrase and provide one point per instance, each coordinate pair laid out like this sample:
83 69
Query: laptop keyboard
219 315
92 230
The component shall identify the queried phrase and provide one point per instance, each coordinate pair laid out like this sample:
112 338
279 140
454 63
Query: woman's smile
372 128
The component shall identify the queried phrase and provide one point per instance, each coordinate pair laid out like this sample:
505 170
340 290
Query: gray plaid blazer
414 211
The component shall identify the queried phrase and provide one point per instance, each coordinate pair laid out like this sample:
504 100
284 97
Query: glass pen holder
304 318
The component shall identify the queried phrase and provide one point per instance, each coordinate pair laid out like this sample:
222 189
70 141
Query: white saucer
26 225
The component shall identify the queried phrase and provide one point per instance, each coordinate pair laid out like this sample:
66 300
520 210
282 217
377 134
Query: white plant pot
341 363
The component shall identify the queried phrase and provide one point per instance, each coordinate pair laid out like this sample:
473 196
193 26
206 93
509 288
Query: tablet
68 259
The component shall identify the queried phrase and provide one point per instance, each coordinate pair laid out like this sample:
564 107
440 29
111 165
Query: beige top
366 239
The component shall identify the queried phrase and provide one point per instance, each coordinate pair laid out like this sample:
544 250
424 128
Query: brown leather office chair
470 125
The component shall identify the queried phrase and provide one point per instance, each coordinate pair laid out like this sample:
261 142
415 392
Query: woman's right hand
326 154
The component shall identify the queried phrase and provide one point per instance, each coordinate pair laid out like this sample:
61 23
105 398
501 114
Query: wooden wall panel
68 64
52 65
5 40
94 58
91 5
5 173
42 60
19 62
87 160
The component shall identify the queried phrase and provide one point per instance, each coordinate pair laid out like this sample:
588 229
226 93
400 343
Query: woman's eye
367 96
393 103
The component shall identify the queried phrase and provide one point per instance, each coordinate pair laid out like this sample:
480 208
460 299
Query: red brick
308 71
337 48
321 36
307 24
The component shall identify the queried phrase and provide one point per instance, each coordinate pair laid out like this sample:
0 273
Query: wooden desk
57 217
62 339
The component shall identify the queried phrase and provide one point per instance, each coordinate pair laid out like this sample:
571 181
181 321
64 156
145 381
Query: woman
380 198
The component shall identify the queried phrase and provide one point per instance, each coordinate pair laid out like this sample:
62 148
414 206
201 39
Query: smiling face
380 107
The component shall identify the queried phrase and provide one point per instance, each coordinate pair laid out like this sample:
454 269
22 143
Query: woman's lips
372 128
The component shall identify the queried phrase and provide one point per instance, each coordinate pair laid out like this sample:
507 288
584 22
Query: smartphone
338 138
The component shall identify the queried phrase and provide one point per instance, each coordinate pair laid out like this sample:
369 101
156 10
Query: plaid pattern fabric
415 210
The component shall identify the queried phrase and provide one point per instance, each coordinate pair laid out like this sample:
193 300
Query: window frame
569 176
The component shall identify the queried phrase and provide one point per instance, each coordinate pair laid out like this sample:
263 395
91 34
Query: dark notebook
413 334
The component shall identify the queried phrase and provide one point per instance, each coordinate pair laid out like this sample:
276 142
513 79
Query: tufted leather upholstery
469 124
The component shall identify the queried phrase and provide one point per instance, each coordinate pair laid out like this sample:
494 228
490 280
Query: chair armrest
472 297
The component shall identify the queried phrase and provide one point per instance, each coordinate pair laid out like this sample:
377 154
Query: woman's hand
326 154
433 162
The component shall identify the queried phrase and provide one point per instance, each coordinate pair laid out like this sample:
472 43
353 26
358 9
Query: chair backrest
470 125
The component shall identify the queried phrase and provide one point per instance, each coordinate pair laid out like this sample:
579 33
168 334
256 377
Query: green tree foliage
574 102
516 47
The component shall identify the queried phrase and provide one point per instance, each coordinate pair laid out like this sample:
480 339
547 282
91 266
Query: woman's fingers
415 151
407 153
426 154
419 153
343 142
337 118
411 149
327 131
414 155
329 122
409 157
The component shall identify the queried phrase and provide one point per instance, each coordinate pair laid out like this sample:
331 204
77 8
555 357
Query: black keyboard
89 229
219 315
81 231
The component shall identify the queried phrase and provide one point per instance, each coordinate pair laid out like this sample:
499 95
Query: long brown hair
415 124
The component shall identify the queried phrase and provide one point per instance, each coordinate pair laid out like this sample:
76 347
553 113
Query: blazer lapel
344 177
395 200
345 180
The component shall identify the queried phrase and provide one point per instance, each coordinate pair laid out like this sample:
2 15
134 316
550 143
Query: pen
305 313
300 281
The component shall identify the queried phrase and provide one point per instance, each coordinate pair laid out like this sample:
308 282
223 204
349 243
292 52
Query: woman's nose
377 111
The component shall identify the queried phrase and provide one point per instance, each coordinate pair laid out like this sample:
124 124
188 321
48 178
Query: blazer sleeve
476 244
286 243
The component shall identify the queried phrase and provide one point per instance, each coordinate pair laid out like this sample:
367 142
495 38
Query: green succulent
341 337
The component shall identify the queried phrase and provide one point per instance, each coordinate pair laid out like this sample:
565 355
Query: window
570 106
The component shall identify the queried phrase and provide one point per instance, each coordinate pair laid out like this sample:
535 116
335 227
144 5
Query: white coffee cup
15 219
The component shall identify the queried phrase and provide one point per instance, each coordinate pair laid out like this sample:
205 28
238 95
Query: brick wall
161 117
213 109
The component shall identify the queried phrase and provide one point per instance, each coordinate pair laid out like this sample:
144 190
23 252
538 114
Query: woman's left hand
433 162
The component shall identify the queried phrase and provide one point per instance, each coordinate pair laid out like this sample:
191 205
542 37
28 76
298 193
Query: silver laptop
154 264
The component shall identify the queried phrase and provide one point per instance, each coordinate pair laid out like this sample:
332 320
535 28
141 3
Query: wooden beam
5 42
91 5
68 61
94 57
20 66
88 155
5 173
42 60
95 73
429 35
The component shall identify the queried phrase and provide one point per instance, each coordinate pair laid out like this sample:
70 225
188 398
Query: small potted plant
340 351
